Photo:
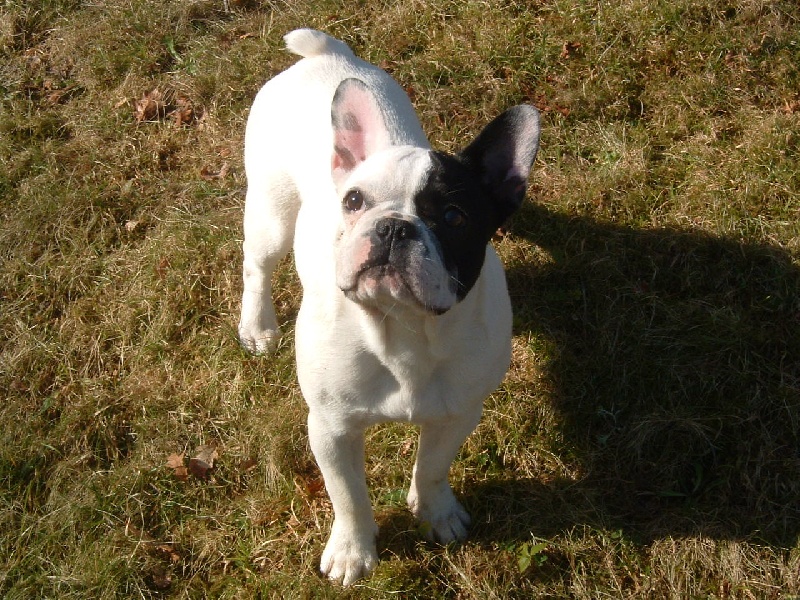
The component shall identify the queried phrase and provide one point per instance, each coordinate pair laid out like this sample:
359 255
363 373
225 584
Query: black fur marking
502 155
454 183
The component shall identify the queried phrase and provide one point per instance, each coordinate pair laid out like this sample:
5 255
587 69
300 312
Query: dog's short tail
310 42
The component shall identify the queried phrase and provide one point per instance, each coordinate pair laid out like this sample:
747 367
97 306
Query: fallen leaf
311 487
161 268
545 106
292 521
160 578
207 172
166 552
407 447
151 106
184 113
315 487
541 101
201 465
55 97
175 462
248 464
792 107
32 58
570 48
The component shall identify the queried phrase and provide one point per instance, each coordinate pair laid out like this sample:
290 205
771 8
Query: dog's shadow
675 375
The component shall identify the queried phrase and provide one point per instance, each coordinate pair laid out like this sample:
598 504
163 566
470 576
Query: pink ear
358 128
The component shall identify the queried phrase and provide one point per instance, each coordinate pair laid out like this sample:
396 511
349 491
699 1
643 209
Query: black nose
395 230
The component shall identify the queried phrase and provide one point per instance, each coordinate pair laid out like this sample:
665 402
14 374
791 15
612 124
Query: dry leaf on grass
407 447
310 487
151 106
201 465
58 96
162 267
570 48
207 172
791 107
184 113
157 105
175 462
248 464
160 578
544 105
166 552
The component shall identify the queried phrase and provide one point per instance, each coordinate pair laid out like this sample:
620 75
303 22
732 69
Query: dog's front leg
350 552
430 496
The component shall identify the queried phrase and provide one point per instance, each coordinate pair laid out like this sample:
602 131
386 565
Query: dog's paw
261 342
348 557
442 520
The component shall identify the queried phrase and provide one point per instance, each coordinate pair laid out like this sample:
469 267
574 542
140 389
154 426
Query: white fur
358 364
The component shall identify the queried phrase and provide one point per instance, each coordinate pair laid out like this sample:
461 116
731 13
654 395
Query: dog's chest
412 375
405 388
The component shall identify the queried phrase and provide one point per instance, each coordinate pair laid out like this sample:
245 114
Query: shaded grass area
645 442
675 371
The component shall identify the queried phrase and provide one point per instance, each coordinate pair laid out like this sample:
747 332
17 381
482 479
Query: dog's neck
420 340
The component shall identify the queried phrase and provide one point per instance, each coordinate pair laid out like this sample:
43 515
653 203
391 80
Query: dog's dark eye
454 217
353 200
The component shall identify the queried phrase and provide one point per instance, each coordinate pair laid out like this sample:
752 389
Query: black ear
502 156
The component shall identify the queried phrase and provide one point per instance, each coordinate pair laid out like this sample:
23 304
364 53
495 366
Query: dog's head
416 222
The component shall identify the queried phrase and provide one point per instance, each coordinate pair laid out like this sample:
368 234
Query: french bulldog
405 314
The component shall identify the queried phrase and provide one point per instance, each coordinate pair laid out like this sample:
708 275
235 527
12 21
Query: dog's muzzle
398 265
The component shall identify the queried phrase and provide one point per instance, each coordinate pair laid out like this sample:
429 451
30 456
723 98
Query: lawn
646 441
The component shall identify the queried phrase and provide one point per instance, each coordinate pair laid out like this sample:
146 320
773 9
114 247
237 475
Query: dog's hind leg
270 214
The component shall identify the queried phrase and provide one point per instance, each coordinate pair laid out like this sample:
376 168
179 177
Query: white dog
405 313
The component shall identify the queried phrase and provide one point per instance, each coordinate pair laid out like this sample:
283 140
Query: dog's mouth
385 286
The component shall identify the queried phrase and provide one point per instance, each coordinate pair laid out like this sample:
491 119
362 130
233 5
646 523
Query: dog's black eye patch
456 207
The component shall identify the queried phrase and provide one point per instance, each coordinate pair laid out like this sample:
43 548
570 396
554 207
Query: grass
646 442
